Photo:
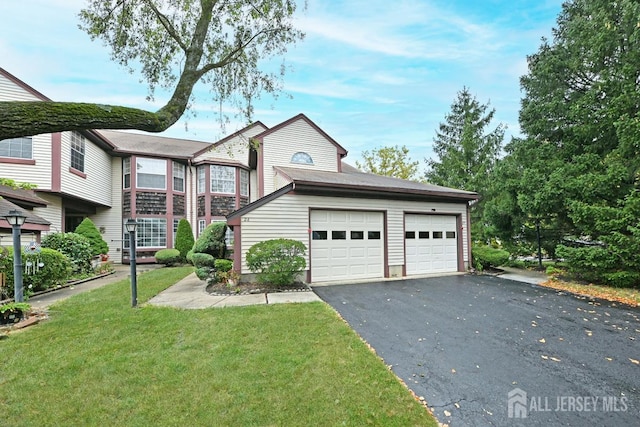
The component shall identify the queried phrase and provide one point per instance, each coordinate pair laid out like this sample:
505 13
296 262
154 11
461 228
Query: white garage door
431 244
346 245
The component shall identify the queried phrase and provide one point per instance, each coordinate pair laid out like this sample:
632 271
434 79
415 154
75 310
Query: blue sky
371 73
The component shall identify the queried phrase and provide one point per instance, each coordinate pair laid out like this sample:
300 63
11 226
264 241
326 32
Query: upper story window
244 182
151 173
178 177
201 180
301 158
19 148
223 179
126 172
77 151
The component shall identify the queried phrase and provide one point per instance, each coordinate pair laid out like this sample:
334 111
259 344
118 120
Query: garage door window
437 234
338 235
423 234
451 234
357 235
319 235
373 235
410 235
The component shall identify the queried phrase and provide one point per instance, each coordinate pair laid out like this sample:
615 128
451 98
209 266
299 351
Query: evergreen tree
577 170
88 229
184 238
466 152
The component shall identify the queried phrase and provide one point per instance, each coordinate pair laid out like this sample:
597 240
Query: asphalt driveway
478 347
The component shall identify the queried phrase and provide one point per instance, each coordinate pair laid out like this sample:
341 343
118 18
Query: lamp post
131 226
16 219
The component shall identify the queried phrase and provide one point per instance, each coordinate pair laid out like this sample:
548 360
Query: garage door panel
434 248
358 255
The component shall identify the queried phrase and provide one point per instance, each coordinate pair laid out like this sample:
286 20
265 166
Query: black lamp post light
131 226
16 219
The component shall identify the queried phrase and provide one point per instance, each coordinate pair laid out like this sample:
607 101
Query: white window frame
223 179
151 233
78 150
302 158
244 182
202 179
178 170
17 148
155 166
126 171
202 224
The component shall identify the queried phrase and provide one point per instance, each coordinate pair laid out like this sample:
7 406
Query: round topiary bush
75 246
168 257
89 230
212 240
486 256
277 262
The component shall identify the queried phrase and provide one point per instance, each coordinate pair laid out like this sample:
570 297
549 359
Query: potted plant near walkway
13 312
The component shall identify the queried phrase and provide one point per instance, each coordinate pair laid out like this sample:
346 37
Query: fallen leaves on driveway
634 361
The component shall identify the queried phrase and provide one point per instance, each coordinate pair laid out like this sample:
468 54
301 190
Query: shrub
278 261
168 257
600 265
486 256
52 269
184 238
88 229
205 265
212 240
75 246
222 267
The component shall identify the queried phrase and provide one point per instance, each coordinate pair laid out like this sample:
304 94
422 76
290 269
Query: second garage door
431 244
346 245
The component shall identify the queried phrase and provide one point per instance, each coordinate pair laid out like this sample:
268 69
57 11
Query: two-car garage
350 245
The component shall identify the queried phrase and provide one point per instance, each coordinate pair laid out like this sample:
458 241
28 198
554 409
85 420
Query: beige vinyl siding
235 149
9 91
279 146
111 218
96 187
52 213
267 221
38 174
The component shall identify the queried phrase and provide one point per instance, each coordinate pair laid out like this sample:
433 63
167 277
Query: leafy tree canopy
174 44
389 161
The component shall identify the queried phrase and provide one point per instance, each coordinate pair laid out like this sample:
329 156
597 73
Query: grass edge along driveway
97 361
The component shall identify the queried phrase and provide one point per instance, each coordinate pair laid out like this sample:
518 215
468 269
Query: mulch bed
253 288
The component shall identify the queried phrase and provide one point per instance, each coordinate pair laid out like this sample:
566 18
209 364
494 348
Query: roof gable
340 149
22 85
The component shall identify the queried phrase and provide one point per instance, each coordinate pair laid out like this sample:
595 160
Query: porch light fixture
131 226
16 219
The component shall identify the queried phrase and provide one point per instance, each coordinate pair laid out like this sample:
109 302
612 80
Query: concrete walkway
191 292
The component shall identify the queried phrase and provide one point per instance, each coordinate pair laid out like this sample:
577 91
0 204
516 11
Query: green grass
97 361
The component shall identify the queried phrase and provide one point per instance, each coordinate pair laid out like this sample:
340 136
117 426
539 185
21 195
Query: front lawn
99 362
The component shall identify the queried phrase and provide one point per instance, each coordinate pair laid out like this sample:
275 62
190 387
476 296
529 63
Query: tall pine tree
466 152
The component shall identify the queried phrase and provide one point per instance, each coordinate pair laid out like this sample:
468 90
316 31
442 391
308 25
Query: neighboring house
286 181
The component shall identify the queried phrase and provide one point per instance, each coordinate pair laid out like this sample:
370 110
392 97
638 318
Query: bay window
223 179
151 173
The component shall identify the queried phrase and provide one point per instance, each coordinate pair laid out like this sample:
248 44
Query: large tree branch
20 118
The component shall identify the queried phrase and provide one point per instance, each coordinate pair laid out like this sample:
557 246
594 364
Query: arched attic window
301 158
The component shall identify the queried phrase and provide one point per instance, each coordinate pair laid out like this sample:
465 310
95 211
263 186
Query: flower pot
11 316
